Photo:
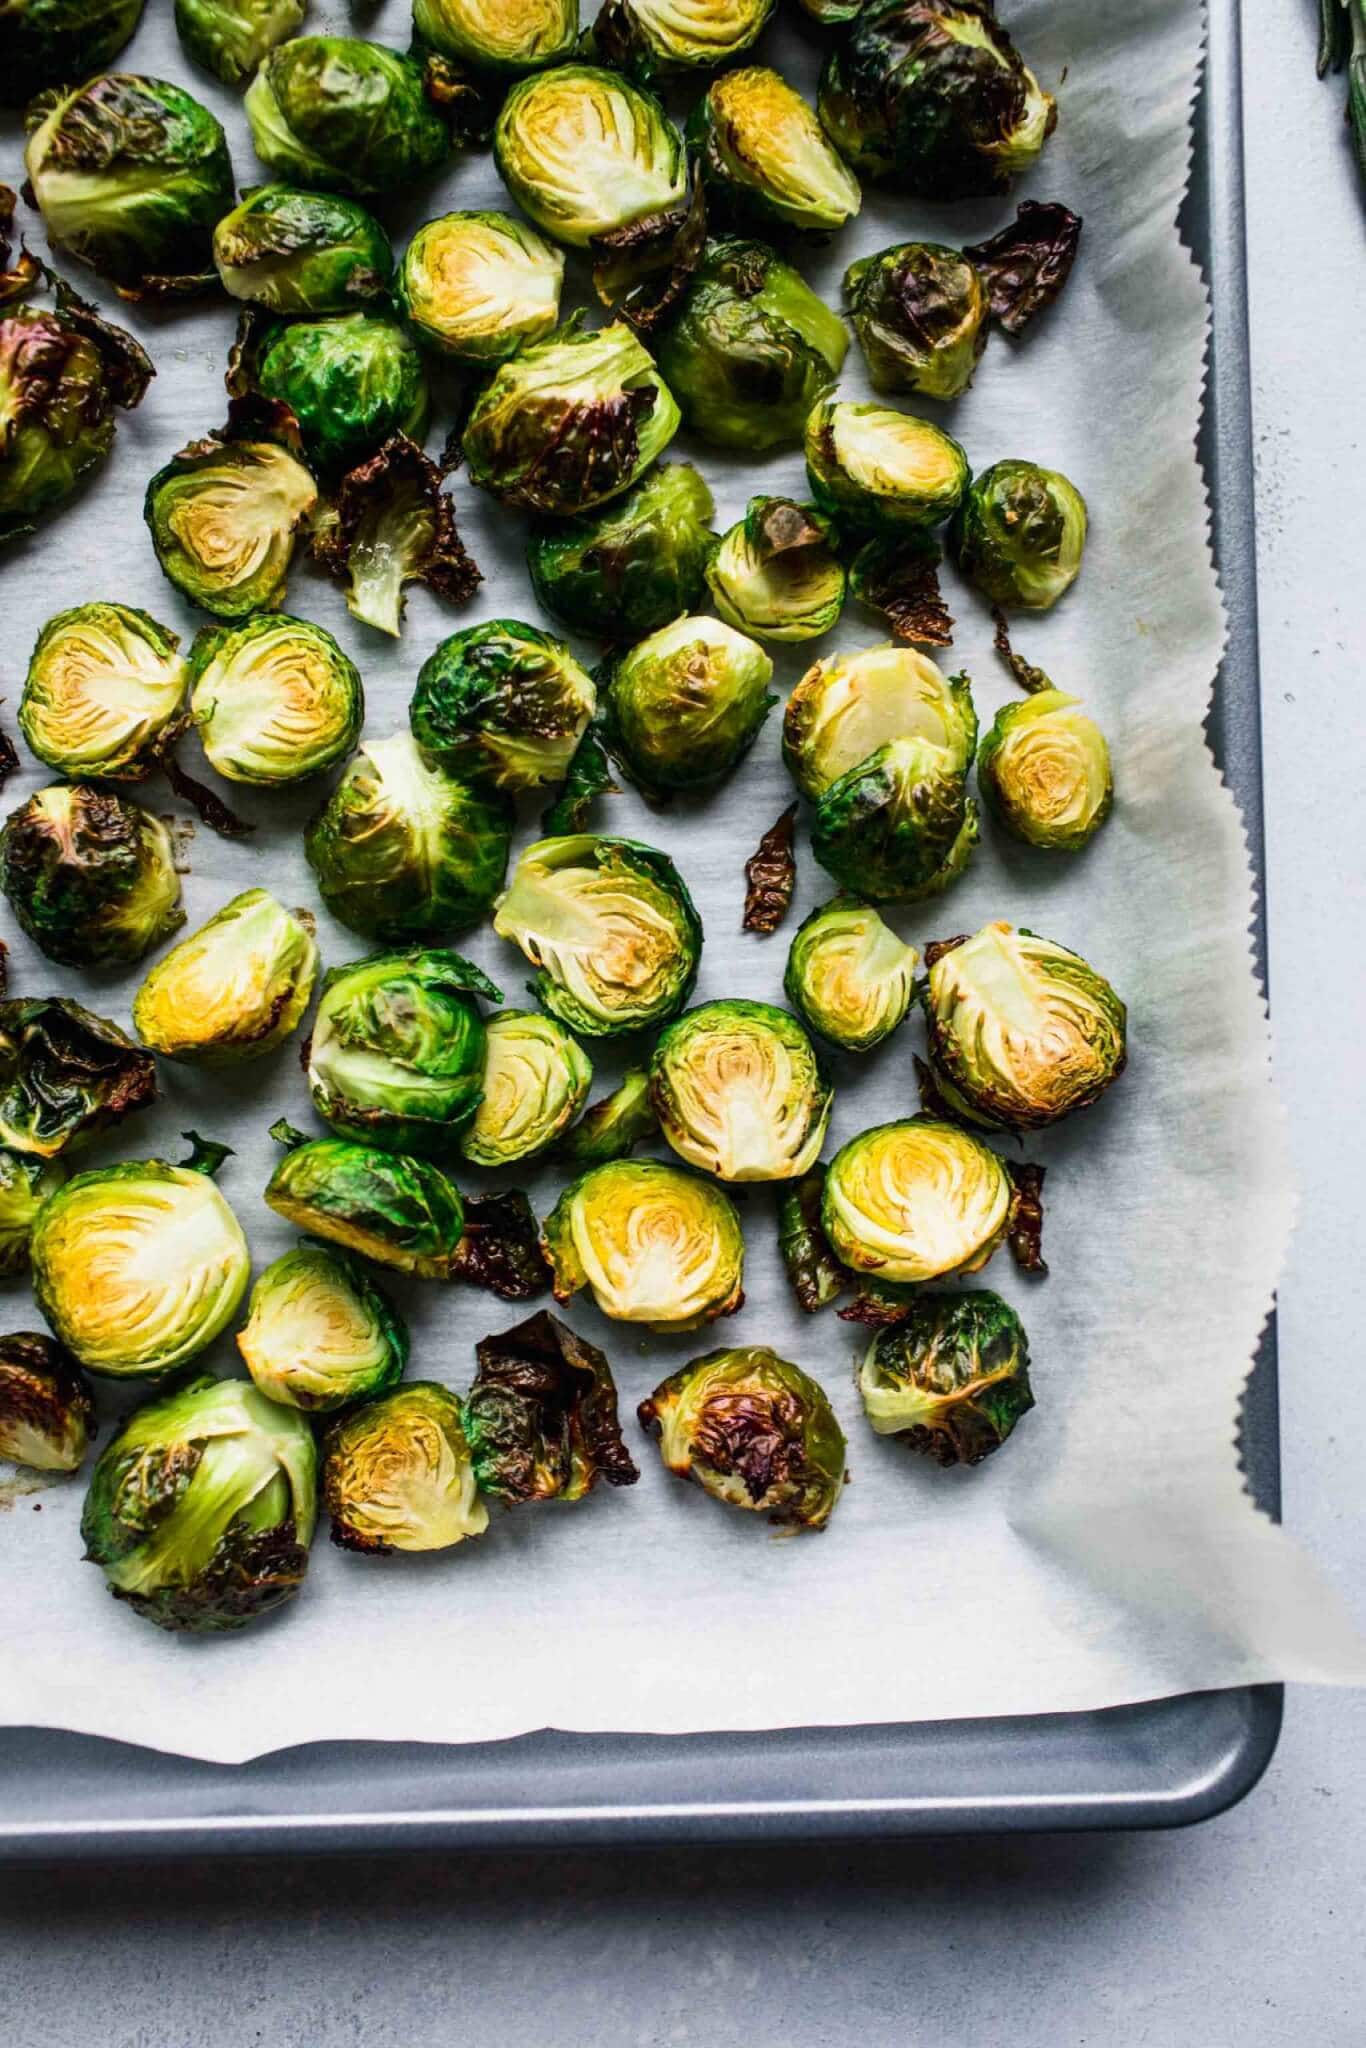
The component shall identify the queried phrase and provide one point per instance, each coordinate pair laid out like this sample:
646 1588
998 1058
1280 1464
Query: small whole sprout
738 1091
26 1182
685 705
916 1200
1044 768
849 975
230 37
654 1244
224 516
232 991
103 692
652 39
611 928
849 705
1020 534
883 472
479 286
201 1508
401 850
90 876
920 311
398 1474
65 1076
274 700
776 573
501 37
320 1334
303 252
351 381
752 1430
612 1127
502 704
1021 1031
541 1417
765 160
536 1080
346 115
49 42
751 349
388 1206
47 1416
951 1378
628 568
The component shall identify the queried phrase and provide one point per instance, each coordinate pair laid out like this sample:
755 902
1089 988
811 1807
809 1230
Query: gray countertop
1247 1930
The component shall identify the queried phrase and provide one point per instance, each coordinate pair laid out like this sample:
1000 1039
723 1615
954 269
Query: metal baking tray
1163 1763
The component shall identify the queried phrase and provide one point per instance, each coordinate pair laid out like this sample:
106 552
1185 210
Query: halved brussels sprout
570 422
685 706
655 1244
275 700
848 706
611 927
138 1266
390 524
478 286
344 114
916 1200
201 1509
224 516
499 36
502 703
47 1417
90 877
764 157
899 826
234 990
102 693
776 573
849 975
1045 769
65 1075
541 1416
397 1053
1020 534
401 850
752 1430
48 42
951 1378
651 39
586 153
920 312
751 349
536 1079
881 471
230 37
26 1183
612 1127
351 381
392 1208
1021 1031
624 570
320 1334
398 1474
302 252
738 1091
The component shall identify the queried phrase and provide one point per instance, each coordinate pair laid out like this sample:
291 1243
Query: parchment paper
1111 1552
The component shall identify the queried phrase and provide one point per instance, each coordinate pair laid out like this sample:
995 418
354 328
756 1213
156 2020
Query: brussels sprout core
234 990
916 1200
1045 769
391 1208
90 876
883 472
302 252
275 699
752 1430
765 159
686 705
536 1080
479 286
320 1333
502 704
46 1414
625 570
655 1244
346 115
224 516
1020 534
398 1474
920 312
849 975
102 693
738 1091
951 1378
776 573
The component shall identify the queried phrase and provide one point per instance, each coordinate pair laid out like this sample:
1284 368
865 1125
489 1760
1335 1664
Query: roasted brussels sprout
234 990
932 97
1044 768
624 570
849 975
655 1244
611 927
652 39
103 691
47 1417
951 1378
320 1334
346 115
1021 1031
397 1053
201 1509
49 42
392 1208
1020 534
65 1076
570 422
541 1417
738 1091
916 1200
224 516
883 472
776 573
351 381
586 154
479 286
398 1474
502 704
274 700
130 175
230 37
535 1080
401 850
389 524
764 157
302 252
751 349
612 1127
25 1184
90 876
502 37
920 312
849 705
686 705
752 1430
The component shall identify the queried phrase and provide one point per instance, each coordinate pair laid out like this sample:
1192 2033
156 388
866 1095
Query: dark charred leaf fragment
901 580
392 524
1027 264
501 1248
771 876
1025 1232
541 1417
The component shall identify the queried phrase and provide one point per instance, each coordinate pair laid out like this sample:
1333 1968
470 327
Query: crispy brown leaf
902 582
1028 263
1029 678
1024 1234
205 802
771 876
391 524
501 1247
542 1415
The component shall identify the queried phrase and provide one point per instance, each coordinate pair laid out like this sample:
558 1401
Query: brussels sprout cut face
320 1333
49 42
849 975
275 700
478 286
201 1509
1045 768
498 35
46 1413
502 704
302 252
776 573
611 927
765 158
622 572
848 706
350 381
883 472
90 876
1020 534
25 1184
224 516
104 686
234 990
346 115
536 1080
951 1379
230 37
584 153
738 1091
65 1075
752 1430
655 1245
686 705
652 38
391 1208
1021 1031
917 1200
398 1474
920 312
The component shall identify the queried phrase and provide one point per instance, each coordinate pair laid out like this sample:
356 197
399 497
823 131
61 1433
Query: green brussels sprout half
90 877
1021 1032
570 422
138 1266
951 1379
916 1200
62 373
585 153
346 115
611 927
320 1334
103 692
776 573
630 567
1020 534
388 1206
351 381
654 1244
751 349
752 1430
230 37
612 1127
541 1417
932 97
536 1079
26 1183
65 1076
502 704
224 516
1044 767
502 37
274 700
685 706
47 1417
920 312
302 252
765 160
739 1092
849 705
479 286
201 1508
130 175
401 850
232 991
49 42
883 472
396 1058
398 1474
652 39
899 826
849 975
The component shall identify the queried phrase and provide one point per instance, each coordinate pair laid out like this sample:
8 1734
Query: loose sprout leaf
287 1134
642 270
9 757
541 1416
589 777
1027 264
206 1154
614 1126
206 803
902 582
128 369
816 1275
392 524
500 1248
932 1100
1025 1233
65 1074
1029 678
771 876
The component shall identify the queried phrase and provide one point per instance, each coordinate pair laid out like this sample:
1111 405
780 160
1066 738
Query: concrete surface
1246 1931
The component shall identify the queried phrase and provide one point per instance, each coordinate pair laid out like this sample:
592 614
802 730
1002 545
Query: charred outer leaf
541 1417
771 876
